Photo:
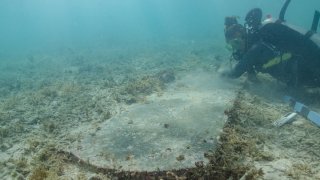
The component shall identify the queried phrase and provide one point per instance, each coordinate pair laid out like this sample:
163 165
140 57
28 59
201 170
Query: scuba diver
288 54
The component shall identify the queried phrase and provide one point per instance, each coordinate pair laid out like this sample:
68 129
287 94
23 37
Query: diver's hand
252 77
223 72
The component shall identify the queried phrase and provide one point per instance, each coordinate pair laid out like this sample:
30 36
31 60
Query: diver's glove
224 72
252 77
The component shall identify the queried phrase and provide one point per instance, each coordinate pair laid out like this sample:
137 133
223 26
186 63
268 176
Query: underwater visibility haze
29 25
96 89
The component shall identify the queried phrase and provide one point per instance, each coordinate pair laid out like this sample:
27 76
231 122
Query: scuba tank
303 45
314 27
254 26
310 34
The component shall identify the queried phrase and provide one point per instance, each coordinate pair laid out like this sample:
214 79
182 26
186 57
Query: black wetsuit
276 39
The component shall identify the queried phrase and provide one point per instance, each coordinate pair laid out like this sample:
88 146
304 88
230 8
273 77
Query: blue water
52 24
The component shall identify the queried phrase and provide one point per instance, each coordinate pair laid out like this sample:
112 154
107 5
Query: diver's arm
238 70
251 58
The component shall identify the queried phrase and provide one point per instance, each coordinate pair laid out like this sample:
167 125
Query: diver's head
230 20
236 36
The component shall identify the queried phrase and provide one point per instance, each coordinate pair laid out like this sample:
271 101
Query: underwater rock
180 158
199 164
131 101
162 132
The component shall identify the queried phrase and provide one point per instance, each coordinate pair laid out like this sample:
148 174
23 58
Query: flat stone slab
170 131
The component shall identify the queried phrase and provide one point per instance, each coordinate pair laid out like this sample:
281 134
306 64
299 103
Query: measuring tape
300 109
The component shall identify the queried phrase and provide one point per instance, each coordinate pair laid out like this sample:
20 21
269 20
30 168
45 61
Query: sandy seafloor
48 98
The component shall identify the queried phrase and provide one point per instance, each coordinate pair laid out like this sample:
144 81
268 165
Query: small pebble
130 122
199 164
180 158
